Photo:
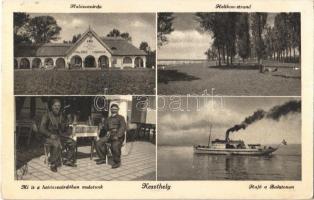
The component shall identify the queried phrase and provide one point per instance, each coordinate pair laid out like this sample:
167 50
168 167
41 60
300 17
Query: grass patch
164 76
85 82
238 80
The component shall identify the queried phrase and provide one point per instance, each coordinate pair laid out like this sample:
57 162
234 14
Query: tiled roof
121 47
118 47
43 50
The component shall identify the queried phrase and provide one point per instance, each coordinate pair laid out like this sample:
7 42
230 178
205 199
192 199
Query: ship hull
246 152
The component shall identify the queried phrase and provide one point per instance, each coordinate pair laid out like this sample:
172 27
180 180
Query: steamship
234 147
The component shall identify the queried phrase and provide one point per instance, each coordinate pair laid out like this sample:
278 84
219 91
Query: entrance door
90 62
103 62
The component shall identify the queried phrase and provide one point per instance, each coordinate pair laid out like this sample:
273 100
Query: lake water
180 163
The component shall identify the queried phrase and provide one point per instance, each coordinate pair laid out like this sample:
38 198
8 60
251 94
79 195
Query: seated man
55 128
115 126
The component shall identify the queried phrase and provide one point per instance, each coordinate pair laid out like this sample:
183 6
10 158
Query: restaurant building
89 52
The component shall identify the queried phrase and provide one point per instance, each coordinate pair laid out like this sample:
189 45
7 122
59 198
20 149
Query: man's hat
114 105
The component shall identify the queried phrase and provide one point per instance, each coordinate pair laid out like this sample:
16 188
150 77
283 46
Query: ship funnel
227 135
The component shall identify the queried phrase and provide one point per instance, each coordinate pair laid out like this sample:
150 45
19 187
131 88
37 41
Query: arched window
90 62
49 62
127 60
76 62
60 63
103 62
36 63
24 64
138 62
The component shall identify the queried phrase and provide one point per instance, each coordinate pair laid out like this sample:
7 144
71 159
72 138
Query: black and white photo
204 138
157 99
84 53
228 53
85 138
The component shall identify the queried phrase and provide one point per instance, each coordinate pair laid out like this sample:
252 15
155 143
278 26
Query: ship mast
210 128
210 134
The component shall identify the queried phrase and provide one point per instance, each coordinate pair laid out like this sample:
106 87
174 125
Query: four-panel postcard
157 100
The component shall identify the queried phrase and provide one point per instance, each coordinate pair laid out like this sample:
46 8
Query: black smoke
289 107
275 113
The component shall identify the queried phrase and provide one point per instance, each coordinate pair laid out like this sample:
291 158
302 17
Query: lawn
84 82
240 80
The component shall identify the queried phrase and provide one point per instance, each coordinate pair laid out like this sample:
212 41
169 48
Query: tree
20 24
222 27
164 27
114 33
270 42
75 38
151 59
126 36
258 22
282 32
216 45
144 46
211 23
243 35
295 27
230 35
286 36
44 29
211 53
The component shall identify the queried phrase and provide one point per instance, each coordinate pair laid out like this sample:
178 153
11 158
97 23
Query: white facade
87 53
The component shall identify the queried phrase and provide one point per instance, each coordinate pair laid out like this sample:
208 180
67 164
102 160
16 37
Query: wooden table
83 131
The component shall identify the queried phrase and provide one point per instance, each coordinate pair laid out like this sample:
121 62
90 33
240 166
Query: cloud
269 131
74 23
193 128
77 22
189 44
187 36
138 24
209 113
182 137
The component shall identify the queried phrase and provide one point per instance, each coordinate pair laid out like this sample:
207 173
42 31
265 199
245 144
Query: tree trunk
219 59
259 38
227 51
223 53
299 54
281 55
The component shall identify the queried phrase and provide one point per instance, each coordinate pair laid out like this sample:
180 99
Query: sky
189 125
141 26
188 41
